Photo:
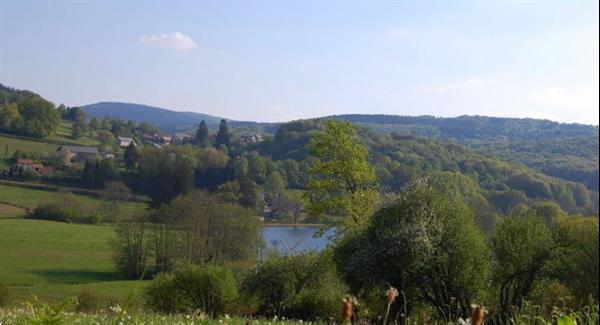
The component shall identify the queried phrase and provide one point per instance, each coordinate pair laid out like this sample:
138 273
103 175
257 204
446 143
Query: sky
279 61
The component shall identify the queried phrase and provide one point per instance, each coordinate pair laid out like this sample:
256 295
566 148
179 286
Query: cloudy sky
271 61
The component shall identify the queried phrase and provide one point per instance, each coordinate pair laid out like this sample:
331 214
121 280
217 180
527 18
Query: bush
5 295
89 300
319 302
163 295
66 212
209 288
303 286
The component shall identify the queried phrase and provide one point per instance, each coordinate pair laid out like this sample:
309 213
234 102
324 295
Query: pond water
290 240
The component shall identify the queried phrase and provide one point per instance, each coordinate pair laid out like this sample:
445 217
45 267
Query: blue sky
275 61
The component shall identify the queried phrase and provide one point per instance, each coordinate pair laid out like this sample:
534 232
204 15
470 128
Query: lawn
31 198
55 260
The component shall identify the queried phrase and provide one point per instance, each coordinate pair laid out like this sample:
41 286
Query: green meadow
55 260
30 198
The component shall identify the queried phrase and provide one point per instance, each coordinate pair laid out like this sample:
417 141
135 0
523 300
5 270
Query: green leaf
565 320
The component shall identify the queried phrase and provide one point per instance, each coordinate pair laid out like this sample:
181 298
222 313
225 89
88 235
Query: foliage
523 245
132 247
223 135
342 183
202 135
67 210
165 174
197 227
163 294
425 244
304 285
89 300
97 172
26 113
210 289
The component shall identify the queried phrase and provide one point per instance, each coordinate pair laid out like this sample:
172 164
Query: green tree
275 185
202 134
132 247
579 266
222 135
342 183
94 124
165 173
522 245
131 156
106 138
427 244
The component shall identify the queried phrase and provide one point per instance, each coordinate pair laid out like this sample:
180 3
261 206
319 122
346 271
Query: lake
289 239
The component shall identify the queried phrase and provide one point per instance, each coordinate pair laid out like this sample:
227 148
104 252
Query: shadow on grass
77 276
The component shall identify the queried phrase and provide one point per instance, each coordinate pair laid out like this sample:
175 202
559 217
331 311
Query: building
23 165
124 142
180 138
78 153
253 138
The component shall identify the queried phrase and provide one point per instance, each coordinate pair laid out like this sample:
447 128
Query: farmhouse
28 164
253 138
124 142
78 153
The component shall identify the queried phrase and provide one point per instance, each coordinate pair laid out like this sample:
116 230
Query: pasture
30 198
55 260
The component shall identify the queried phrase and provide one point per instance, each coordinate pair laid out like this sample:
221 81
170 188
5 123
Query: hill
165 119
472 127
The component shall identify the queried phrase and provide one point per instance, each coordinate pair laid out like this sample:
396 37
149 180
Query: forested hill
165 119
473 127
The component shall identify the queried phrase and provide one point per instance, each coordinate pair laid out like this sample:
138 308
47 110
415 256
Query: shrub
304 286
66 213
89 300
5 295
209 288
319 302
163 295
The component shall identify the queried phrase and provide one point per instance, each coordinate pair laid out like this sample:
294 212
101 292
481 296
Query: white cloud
176 41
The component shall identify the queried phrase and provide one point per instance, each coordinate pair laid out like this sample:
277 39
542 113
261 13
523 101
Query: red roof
21 161
38 166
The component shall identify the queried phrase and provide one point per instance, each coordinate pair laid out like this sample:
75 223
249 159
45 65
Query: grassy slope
31 198
54 260
9 144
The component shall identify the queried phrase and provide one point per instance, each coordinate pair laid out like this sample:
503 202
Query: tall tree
223 134
425 243
342 184
131 156
523 245
202 134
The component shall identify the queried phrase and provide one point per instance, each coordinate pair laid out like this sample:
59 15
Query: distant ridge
461 128
167 120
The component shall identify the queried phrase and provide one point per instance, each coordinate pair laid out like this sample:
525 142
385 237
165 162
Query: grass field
31 198
55 260
9 144
10 211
